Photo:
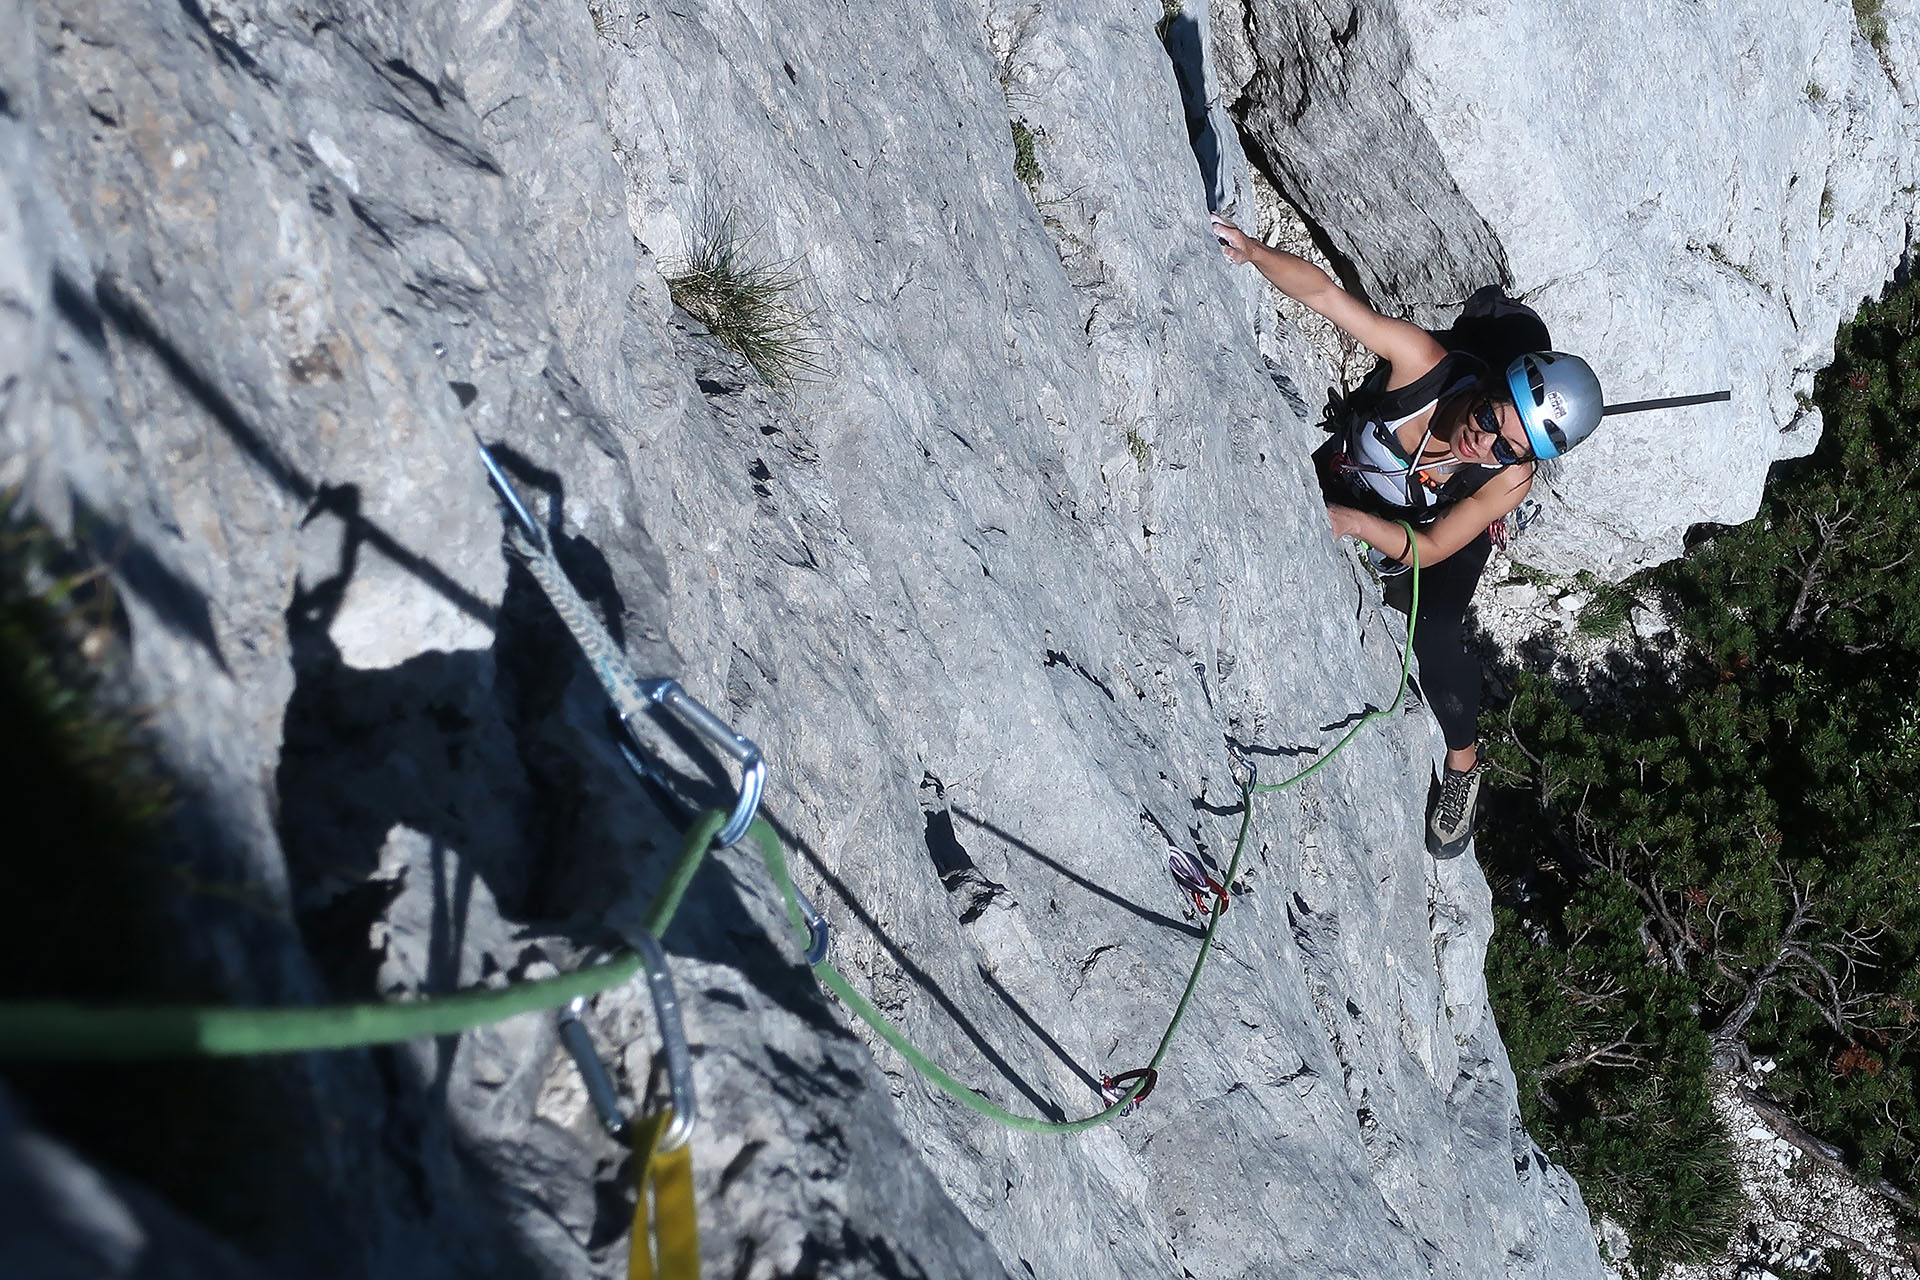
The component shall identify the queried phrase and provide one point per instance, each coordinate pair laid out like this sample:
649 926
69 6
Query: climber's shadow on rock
384 770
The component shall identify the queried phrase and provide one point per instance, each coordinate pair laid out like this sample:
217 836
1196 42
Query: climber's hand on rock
1233 241
1345 521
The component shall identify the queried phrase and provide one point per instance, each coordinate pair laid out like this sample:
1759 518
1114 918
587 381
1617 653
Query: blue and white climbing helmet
1558 398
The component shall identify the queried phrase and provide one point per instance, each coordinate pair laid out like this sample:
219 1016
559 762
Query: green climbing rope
939 1077
65 1030
1406 665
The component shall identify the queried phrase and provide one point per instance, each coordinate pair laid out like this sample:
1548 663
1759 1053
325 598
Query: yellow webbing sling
666 1236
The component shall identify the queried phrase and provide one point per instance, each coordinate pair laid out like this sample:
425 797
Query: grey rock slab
992 592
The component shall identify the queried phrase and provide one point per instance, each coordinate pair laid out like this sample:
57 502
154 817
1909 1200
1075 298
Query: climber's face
1493 434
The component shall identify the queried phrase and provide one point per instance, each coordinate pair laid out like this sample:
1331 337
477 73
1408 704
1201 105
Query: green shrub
748 304
1735 856
1614 1069
1841 1266
67 755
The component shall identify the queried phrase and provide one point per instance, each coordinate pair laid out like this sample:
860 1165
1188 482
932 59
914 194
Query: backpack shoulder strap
1456 369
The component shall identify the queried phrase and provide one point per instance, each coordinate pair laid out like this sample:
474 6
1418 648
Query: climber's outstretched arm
1408 348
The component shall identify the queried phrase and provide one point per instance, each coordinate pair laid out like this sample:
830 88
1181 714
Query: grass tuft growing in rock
747 302
1026 166
1609 605
1870 16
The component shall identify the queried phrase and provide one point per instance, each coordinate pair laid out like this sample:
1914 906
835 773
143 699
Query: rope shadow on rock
1040 1033
913 972
179 605
112 306
1099 891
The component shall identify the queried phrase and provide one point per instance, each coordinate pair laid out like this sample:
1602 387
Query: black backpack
1491 330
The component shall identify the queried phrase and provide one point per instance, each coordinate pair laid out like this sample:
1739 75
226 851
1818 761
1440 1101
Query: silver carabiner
1245 761
753 766
600 1090
673 1042
819 932
506 490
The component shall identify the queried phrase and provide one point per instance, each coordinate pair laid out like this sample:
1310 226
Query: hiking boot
1450 812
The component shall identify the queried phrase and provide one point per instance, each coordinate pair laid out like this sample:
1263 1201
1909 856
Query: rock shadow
109 306
1184 42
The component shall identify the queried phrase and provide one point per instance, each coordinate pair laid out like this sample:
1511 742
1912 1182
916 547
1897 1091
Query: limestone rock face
993 590
1693 197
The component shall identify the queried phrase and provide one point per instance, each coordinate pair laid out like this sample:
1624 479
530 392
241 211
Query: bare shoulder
1410 350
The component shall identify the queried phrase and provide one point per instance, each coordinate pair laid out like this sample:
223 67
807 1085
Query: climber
1436 439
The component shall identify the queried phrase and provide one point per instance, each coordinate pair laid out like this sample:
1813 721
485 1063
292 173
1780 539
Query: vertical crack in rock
1328 123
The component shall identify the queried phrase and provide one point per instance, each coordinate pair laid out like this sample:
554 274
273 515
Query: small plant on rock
1609 605
1026 166
747 303
1142 451
1870 16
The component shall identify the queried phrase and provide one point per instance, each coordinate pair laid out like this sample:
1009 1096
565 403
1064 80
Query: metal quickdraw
1194 880
1114 1088
631 696
666 1230
673 1042
692 713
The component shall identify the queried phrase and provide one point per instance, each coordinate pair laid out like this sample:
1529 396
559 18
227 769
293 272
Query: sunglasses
1487 418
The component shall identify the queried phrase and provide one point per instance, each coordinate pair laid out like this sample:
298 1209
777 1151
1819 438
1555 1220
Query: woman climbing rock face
1439 440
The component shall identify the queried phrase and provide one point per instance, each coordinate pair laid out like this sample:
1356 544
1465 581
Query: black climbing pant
1449 673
